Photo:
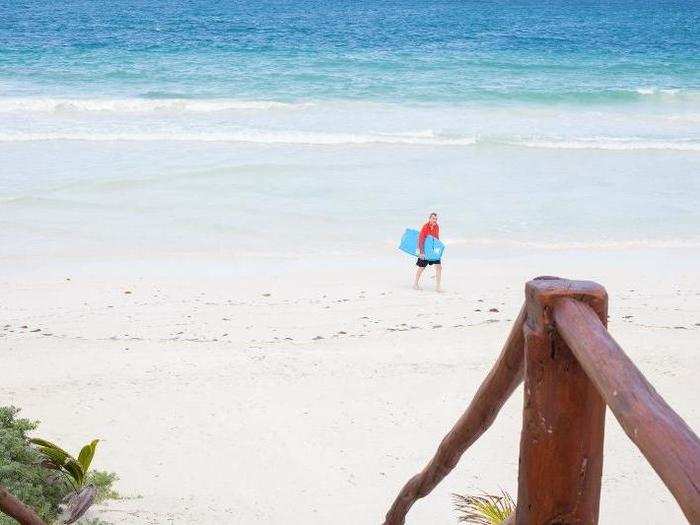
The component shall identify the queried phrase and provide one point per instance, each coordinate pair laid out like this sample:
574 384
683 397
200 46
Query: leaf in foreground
488 509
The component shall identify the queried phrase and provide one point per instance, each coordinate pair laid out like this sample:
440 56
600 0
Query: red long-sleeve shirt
426 230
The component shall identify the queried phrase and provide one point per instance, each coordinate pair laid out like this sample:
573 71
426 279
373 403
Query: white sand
217 404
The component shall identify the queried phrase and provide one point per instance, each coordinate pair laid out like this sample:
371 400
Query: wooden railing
572 368
16 509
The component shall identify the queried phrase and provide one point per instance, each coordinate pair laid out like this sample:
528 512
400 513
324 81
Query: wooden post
561 445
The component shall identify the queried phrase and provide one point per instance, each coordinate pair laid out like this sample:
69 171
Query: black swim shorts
425 262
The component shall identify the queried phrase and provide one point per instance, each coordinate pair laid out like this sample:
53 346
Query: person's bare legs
416 283
438 277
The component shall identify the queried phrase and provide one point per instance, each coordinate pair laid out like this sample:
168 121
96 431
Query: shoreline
227 263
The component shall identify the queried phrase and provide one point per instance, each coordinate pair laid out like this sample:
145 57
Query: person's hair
431 215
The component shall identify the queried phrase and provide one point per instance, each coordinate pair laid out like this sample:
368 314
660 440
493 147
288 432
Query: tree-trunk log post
503 379
561 444
14 508
667 442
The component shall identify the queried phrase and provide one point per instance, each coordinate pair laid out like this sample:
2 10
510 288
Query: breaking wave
418 138
252 136
136 105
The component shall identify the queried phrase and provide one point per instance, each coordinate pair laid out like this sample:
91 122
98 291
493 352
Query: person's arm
421 241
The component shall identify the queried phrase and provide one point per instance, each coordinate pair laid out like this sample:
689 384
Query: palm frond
487 509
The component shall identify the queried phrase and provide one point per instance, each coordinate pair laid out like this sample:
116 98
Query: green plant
488 509
21 471
48 481
104 482
55 458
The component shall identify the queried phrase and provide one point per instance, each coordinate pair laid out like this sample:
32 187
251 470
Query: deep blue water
416 50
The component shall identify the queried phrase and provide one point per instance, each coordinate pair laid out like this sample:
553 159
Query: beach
313 394
200 208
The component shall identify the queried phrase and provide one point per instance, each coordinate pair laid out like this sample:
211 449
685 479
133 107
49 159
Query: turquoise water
187 126
398 51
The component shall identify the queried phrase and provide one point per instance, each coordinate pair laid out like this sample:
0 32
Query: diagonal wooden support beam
503 379
14 508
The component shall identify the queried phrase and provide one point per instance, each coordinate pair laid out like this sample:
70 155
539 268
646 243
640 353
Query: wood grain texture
668 443
14 508
561 447
502 380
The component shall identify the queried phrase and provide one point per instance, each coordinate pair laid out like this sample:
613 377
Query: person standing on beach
429 228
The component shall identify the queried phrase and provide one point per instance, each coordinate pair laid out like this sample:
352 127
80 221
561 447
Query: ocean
301 129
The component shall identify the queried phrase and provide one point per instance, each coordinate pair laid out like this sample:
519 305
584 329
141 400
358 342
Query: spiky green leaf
488 509
56 455
47 444
75 470
86 454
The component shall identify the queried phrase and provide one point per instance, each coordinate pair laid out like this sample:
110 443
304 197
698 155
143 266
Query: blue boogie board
433 248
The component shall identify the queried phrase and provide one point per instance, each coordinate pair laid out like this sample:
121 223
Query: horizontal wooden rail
14 508
502 380
668 443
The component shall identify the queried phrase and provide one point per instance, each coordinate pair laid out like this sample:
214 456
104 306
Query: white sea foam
249 136
419 138
209 105
611 143
334 123
651 90
135 105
